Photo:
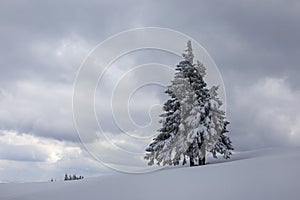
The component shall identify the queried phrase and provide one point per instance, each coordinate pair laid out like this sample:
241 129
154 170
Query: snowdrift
265 174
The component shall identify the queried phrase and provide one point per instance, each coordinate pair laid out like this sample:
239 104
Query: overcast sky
255 44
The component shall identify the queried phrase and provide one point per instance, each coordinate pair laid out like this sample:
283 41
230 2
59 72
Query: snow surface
265 174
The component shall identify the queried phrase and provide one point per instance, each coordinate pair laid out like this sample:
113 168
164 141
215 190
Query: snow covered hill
265 174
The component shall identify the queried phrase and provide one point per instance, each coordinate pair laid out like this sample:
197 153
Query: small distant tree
66 177
72 177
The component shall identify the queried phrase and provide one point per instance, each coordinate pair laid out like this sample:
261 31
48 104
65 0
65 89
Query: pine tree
218 127
192 122
178 147
193 128
199 114
66 177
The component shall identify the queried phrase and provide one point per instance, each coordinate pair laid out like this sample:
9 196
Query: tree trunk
192 163
202 147
202 161
184 161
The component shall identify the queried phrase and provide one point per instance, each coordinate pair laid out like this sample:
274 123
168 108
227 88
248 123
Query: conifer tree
66 177
221 143
192 122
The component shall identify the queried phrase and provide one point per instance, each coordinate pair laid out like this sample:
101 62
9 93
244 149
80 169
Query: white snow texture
271 174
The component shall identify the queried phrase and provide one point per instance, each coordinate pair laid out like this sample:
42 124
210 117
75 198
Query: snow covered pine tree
193 122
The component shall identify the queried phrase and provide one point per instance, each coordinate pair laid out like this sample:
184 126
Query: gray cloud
38 108
265 114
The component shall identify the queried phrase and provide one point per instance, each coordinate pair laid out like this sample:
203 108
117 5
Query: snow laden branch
192 123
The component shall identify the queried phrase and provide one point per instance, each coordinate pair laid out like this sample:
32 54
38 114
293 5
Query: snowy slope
266 174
